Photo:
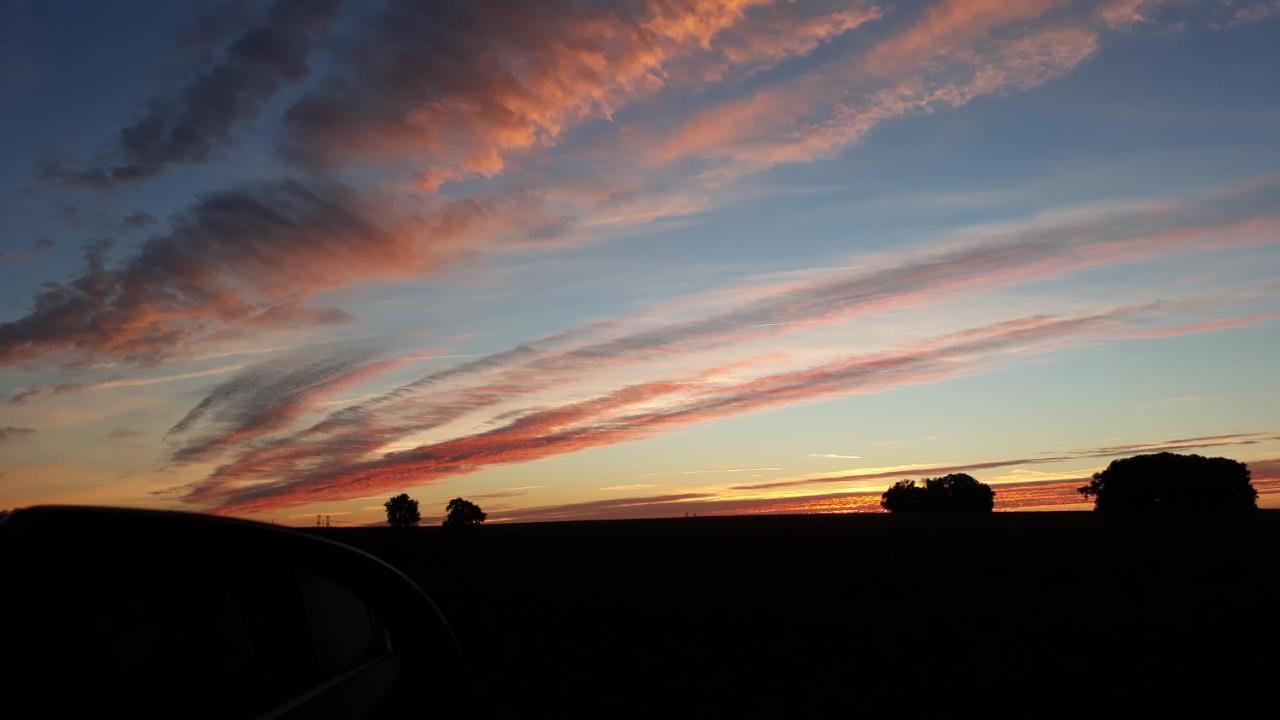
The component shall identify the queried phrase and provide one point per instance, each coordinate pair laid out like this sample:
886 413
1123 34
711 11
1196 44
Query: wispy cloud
189 124
1036 495
519 77
266 397
979 260
118 382
39 247
8 432
1194 443
943 59
620 416
124 432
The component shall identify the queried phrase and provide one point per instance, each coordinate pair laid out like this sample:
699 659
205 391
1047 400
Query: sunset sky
628 258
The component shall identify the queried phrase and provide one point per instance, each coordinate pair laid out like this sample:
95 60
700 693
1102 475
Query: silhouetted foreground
957 492
1170 482
805 615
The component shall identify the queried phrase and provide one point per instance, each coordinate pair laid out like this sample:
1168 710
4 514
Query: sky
630 258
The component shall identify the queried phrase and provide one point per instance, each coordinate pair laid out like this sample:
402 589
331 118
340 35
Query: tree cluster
1172 482
957 492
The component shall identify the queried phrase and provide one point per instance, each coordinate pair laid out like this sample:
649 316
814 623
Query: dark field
810 615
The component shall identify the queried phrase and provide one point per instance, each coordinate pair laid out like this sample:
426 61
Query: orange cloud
802 121
605 420
513 76
948 26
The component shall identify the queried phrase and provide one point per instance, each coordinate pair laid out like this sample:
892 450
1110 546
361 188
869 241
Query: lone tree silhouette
1169 481
957 492
402 511
460 513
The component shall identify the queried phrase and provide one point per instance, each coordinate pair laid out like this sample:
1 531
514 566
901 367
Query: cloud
947 27
1251 13
236 257
1015 496
982 259
251 256
45 390
770 35
213 26
620 416
266 397
124 432
1193 443
110 383
138 220
1034 495
38 248
1265 469
461 85
452 104
835 456
953 53
1120 14
618 508
188 125
9 432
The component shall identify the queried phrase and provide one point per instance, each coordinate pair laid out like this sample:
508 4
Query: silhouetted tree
402 511
903 496
1169 481
460 513
957 492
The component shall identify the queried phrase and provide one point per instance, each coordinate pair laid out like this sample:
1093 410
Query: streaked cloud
606 419
118 382
1180 444
984 259
266 397
1250 12
517 77
189 124
9 432
39 247
366 157
124 432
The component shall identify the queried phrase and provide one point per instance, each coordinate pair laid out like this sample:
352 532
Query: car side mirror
133 613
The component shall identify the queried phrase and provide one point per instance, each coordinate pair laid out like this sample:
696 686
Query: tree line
1155 482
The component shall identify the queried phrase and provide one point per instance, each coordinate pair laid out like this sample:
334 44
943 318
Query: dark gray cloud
1002 258
264 398
234 256
8 432
1175 445
187 125
69 216
37 248
123 432
138 220
461 84
212 27
43 390
322 467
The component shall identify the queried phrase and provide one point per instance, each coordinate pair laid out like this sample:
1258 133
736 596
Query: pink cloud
948 26
606 420
517 77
